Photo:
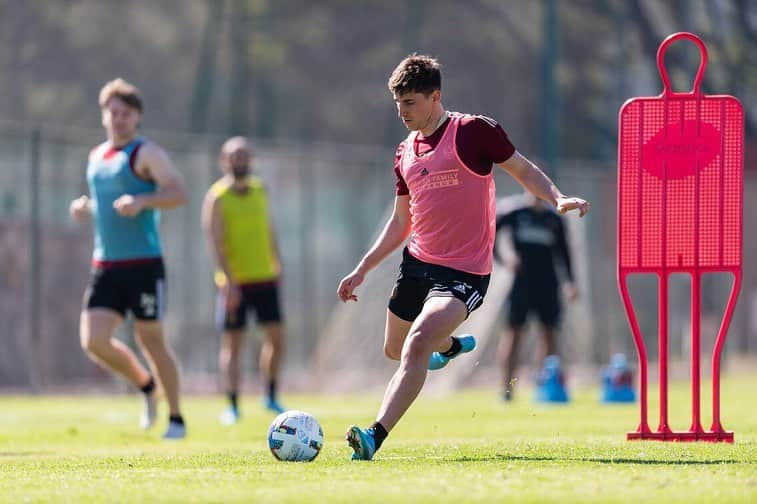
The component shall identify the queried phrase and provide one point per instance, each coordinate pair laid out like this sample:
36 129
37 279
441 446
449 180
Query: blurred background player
445 202
242 243
537 246
130 179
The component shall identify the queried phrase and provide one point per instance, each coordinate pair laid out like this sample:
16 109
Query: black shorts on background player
263 299
541 299
128 286
540 241
419 281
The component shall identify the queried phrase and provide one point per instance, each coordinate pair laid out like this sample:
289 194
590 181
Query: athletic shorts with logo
419 281
128 286
261 298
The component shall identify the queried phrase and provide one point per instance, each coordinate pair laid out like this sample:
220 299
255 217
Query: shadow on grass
498 457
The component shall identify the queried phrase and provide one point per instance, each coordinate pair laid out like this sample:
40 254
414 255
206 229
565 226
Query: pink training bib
452 208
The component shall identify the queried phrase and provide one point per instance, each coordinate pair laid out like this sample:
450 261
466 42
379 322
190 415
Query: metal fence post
35 281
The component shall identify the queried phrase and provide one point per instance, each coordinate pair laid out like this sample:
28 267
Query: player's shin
406 383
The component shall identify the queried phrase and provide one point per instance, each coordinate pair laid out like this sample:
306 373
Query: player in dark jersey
538 250
130 180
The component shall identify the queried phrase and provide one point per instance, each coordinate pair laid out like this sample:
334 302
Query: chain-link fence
593 328
327 202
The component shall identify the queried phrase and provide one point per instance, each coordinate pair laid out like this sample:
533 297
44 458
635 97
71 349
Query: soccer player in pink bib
445 203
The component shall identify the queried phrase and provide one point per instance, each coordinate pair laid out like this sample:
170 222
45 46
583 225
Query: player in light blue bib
111 174
130 180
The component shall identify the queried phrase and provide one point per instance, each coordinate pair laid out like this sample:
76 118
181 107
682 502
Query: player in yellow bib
243 245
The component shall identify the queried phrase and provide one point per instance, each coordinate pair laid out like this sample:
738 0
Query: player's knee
418 346
145 342
277 341
93 345
278 347
274 334
391 352
152 341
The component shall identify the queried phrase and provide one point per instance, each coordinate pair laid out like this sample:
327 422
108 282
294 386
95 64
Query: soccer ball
295 436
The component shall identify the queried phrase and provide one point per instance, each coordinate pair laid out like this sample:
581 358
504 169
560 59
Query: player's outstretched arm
536 182
395 232
154 163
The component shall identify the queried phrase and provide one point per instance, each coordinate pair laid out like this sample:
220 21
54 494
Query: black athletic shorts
419 281
262 298
128 286
540 298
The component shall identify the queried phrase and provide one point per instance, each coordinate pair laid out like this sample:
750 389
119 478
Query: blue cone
550 385
617 381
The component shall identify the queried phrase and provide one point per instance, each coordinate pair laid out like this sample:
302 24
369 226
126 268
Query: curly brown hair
417 73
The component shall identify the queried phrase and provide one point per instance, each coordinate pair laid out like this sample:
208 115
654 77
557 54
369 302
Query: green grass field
464 448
